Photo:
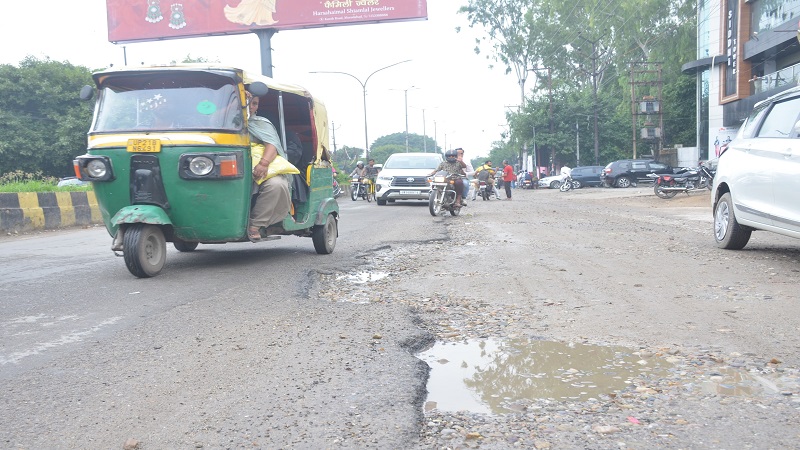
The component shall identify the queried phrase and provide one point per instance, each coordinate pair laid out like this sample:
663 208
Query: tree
43 123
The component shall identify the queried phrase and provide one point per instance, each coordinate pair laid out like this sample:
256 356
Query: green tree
43 123
416 143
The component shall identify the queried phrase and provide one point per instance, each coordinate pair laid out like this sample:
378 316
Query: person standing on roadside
508 178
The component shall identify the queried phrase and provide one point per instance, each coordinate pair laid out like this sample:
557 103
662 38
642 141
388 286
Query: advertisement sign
147 20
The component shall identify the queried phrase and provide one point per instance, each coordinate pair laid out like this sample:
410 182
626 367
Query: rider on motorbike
359 171
452 165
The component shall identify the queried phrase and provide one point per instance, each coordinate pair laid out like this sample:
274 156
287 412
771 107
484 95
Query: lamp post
405 95
364 90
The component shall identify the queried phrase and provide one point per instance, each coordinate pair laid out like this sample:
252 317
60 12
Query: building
747 50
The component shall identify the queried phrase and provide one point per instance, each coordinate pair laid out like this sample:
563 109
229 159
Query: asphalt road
270 345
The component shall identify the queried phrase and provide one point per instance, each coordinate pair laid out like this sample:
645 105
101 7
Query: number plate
409 192
144 145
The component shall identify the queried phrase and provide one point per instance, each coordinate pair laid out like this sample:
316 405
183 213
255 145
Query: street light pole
364 90
405 95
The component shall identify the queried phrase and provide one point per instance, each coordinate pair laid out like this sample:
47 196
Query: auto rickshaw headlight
211 166
96 168
93 168
201 166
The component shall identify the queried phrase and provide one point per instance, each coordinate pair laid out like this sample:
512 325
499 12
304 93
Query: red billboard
147 20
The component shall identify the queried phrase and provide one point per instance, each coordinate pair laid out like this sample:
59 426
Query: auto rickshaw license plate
144 145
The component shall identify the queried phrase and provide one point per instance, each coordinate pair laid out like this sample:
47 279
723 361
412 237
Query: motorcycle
566 184
686 180
359 188
337 190
485 190
443 193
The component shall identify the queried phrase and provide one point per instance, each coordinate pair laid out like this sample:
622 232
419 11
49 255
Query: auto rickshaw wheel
183 246
324 236
144 249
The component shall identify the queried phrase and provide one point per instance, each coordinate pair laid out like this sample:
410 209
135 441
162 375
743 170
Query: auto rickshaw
169 157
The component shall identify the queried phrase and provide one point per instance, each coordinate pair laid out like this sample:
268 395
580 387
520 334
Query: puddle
490 376
739 383
362 277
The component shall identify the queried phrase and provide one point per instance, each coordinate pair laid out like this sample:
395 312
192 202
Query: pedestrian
508 178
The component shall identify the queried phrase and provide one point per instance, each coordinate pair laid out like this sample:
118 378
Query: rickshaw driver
273 201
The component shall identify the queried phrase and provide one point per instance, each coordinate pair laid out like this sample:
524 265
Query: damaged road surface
596 318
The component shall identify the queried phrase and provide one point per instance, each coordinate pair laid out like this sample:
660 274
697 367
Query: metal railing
774 80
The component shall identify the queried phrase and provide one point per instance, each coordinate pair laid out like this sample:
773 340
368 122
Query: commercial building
747 50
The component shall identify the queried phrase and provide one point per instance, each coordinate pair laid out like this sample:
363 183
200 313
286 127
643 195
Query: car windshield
174 101
413 162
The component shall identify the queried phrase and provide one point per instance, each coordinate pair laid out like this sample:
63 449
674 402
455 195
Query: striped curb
29 211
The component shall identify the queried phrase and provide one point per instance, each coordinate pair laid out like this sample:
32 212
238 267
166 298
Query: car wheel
728 233
623 182
576 184
380 202
555 184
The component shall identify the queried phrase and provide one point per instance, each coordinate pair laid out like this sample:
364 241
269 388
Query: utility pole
645 75
596 72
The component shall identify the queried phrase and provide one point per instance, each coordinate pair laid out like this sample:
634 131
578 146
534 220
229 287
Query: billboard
148 20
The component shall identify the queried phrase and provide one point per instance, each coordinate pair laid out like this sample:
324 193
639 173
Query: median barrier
30 211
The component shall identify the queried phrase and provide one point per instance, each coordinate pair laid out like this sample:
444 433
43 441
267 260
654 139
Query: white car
757 183
553 182
404 176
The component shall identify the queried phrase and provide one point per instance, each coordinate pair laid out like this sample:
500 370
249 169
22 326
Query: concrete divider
29 211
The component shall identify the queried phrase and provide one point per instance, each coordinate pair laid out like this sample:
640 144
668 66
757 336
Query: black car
626 172
586 176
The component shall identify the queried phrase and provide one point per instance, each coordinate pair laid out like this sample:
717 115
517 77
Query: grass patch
19 181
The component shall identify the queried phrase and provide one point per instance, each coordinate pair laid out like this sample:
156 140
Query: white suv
405 177
757 183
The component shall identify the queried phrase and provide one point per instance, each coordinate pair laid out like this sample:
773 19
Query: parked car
404 176
553 182
586 176
627 172
757 183
71 181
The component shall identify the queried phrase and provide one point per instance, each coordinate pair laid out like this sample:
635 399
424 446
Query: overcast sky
464 101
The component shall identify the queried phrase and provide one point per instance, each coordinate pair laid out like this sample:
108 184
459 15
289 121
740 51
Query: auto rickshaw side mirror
258 88
87 92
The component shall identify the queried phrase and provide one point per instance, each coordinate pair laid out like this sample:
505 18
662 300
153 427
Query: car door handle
788 153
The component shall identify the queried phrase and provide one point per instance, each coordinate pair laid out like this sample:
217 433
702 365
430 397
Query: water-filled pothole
362 277
491 376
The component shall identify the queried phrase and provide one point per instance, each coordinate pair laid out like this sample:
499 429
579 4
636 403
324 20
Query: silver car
404 176
757 184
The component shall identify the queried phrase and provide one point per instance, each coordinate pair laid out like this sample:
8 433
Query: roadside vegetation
19 181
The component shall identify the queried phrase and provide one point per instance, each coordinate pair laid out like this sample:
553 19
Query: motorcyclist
486 173
360 171
452 165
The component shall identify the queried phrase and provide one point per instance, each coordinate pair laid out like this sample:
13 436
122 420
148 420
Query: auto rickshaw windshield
189 101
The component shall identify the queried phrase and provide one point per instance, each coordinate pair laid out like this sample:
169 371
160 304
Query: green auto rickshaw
169 157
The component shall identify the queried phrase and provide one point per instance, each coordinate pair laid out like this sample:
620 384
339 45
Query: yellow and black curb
29 211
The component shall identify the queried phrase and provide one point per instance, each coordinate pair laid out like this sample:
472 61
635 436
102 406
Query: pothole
492 376
362 277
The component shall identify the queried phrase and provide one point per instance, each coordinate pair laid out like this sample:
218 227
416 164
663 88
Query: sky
452 94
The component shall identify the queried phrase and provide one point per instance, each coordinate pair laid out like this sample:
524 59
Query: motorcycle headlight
201 165
439 179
